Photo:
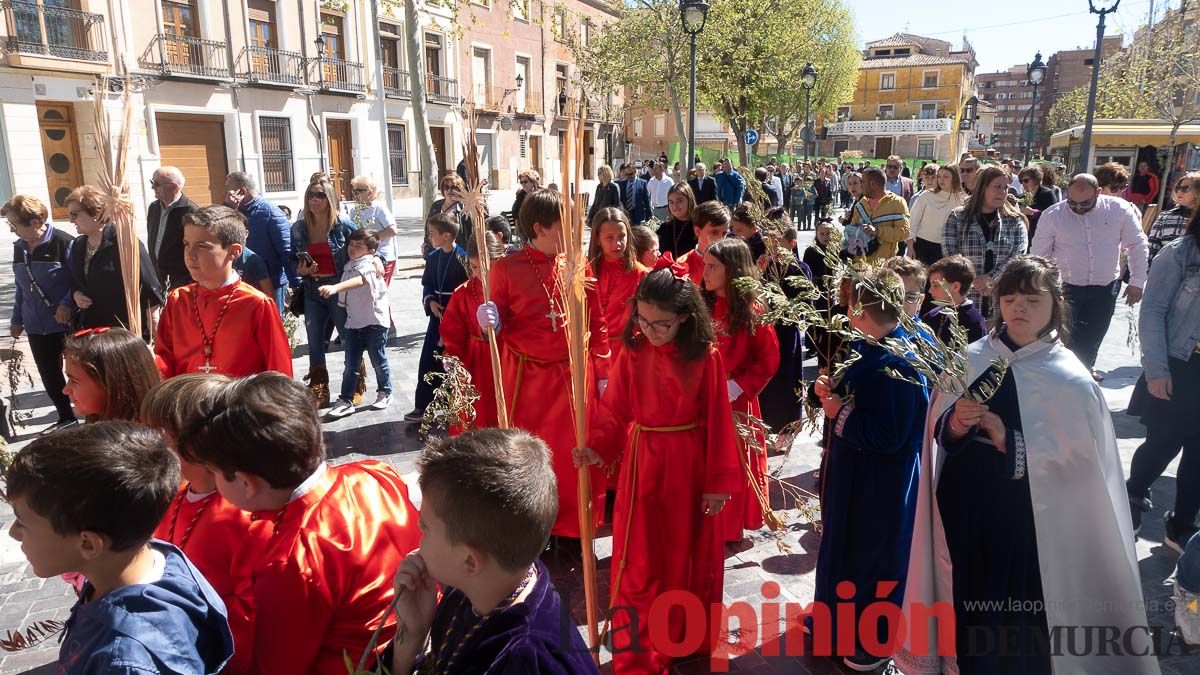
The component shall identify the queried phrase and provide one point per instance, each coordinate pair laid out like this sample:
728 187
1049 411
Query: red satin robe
322 581
462 337
537 374
751 360
694 260
215 535
659 530
615 288
249 339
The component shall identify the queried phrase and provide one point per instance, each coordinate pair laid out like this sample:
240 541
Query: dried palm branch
380 667
16 375
113 151
40 631
453 399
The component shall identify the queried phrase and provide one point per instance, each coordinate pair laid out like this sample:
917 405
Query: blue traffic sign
751 137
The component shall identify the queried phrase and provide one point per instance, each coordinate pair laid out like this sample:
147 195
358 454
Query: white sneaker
382 401
340 409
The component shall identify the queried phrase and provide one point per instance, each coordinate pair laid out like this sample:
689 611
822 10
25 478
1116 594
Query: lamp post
807 80
1086 148
320 42
1036 73
693 14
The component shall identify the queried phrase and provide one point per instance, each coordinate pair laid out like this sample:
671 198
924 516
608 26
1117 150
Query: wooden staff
476 201
573 284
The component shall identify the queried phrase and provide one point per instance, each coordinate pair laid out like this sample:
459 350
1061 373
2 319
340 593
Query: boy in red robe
462 338
219 324
527 303
321 582
711 223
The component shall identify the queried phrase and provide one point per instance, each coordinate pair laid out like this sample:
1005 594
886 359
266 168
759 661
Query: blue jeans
372 339
318 312
281 300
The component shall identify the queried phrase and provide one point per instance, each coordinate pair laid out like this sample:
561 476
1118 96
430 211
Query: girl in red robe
751 355
710 221
666 416
527 305
462 338
617 270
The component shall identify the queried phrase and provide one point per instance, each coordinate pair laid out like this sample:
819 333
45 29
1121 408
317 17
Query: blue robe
870 484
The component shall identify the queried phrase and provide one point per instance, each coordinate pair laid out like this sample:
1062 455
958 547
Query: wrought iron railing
442 89
333 74
187 56
270 65
395 82
53 31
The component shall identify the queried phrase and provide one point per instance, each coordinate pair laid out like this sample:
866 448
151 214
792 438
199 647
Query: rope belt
522 359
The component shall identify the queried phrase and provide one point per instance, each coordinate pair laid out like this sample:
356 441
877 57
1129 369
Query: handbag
296 302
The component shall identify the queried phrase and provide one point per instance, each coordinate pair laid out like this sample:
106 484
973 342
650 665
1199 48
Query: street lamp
320 43
808 80
693 14
1086 148
1036 73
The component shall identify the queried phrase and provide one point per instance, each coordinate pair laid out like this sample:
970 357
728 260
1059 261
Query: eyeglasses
1028 180
316 195
1085 204
72 215
657 327
1183 187
155 184
359 191
914 296
893 166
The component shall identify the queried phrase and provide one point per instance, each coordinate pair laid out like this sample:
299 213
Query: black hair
734 255
368 237
661 289
499 225
1030 275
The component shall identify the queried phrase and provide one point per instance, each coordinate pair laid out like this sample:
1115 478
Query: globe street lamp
1035 74
808 80
693 14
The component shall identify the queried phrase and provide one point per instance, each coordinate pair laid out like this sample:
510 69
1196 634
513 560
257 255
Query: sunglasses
893 166
359 191
1183 187
316 195
91 331
1088 203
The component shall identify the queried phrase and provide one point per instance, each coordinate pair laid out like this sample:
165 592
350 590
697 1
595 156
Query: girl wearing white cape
1023 502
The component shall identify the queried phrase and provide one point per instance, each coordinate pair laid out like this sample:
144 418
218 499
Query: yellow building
909 91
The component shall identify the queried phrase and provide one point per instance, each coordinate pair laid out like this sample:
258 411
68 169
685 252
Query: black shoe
415 415
1142 503
1177 535
864 663
61 424
1136 508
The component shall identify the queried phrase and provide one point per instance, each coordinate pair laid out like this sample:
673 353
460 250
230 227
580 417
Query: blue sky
1003 33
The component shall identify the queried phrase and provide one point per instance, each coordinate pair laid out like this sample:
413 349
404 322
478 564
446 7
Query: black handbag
296 302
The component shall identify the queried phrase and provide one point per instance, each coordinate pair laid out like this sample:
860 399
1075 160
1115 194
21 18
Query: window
887 81
928 112
587 32
398 153
560 24
389 39
260 15
843 113
560 79
275 137
520 10
839 147
637 127
660 125
481 67
332 30
433 55
887 111
903 51
931 79
925 148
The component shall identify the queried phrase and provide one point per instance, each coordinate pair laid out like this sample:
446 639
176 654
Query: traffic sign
751 137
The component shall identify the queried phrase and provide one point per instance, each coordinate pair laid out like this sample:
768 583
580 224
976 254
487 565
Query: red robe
249 339
536 371
462 338
322 581
215 535
615 288
694 260
659 530
751 360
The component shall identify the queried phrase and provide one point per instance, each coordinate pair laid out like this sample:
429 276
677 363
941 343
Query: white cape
1080 508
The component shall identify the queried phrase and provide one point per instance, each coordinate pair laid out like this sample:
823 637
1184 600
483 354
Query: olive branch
453 399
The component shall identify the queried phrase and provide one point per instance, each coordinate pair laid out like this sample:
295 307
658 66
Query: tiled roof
903 39
910 60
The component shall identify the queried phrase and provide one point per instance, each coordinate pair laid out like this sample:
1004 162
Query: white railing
868 127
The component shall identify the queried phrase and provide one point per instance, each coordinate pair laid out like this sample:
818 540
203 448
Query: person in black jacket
704 187
608 193
98 288
1043 197
164 225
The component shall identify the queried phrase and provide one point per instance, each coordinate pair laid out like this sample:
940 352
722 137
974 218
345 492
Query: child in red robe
711 224
617 270
527 304
320 582
462 338
213 533
751 354
109 371
666 416
219 323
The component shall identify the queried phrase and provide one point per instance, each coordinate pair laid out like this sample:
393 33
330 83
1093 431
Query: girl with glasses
1172 223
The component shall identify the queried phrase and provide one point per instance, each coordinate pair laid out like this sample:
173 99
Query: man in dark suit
635 197
164 224
704 187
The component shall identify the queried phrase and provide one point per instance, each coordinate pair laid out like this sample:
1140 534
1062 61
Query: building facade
910 89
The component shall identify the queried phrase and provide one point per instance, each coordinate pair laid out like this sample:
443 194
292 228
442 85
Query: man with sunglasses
895 183
967 168
269 234
1085 235
164 224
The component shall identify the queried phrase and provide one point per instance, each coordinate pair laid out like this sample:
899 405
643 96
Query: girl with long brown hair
617 270
109 371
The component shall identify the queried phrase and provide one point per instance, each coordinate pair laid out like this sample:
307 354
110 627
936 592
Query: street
383 435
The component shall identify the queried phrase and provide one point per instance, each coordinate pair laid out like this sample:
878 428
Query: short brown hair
1032 171
541 207
710 213
1112 175
955 268
121 363
24 208
444 223
89 197
494 489
175 403
368 237
644 239
222 222
1031 274
451 180
878 291
491 241
907 268
265 425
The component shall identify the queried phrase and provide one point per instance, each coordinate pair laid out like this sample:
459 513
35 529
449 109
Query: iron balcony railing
53 31
186 56
272 66
442 89
395 82
333 74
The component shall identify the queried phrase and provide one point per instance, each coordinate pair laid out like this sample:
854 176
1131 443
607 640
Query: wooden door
196 144
438 134
60 152
341 162
883 147
179 21
535 155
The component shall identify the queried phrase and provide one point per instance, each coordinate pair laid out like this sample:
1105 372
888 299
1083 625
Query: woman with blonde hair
319 241
530 182
370 212
1172 223
608 193
930 208
452 188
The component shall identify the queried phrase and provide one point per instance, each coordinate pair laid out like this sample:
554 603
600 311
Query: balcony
890 127
337 75
270 66
56 32
187 57
395 83
442 89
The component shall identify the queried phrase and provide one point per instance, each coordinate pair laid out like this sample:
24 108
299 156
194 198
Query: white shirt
376 217
1088 248
929 213
658 189
164 211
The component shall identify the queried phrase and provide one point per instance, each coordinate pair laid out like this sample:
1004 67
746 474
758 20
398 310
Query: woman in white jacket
929 212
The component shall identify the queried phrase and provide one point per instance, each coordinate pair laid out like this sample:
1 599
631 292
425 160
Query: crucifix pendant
554 316
207 367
